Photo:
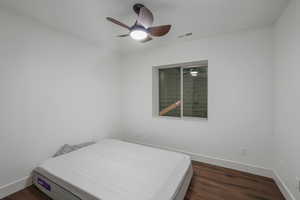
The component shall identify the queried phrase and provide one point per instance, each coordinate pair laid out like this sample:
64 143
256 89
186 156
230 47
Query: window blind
169 90
195 92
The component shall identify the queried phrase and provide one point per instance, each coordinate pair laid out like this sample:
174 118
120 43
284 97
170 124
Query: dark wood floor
209 183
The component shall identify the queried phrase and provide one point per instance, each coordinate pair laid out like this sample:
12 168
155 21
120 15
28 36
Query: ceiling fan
142 30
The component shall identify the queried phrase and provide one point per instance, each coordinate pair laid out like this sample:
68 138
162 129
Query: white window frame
155 88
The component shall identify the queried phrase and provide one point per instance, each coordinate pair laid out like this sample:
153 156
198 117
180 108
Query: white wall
54 89
287 97
239 100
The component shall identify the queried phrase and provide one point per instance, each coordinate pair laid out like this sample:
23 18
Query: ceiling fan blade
158 31
145 17
124 35
146 40
117 22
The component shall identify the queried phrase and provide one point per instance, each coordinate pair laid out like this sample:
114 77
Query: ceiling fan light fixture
138 34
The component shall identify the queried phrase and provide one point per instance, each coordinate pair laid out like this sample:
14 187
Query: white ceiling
86 18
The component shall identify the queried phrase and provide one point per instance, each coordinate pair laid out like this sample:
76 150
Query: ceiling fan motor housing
137 7
138 27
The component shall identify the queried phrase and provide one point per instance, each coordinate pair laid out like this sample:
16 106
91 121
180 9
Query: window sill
181 118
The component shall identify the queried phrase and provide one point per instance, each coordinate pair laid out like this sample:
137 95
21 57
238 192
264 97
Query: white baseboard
15 186
282 186
217 161
257 170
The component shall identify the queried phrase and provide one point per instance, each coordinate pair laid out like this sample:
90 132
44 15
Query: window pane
195 92
169 92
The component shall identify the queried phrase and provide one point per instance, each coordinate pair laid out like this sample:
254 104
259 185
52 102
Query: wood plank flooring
217 183
209 183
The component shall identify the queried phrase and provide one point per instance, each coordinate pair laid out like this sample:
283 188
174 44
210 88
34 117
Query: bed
115 170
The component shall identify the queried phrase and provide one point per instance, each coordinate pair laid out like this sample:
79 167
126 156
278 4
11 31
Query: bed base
51 189
56 192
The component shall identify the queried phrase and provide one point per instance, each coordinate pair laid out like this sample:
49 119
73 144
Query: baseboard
282 186
15 186
261 171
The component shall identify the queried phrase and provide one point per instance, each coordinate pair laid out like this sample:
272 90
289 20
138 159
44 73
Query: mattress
116 170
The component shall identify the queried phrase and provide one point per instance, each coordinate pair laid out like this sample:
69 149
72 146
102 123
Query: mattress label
44 184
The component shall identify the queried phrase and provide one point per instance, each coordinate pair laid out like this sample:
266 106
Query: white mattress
116 170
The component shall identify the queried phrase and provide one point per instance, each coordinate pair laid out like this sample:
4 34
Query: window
180 90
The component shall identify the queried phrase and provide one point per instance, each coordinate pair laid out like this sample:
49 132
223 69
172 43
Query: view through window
183 91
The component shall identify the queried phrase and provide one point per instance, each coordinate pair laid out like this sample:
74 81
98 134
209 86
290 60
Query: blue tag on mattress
44 184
